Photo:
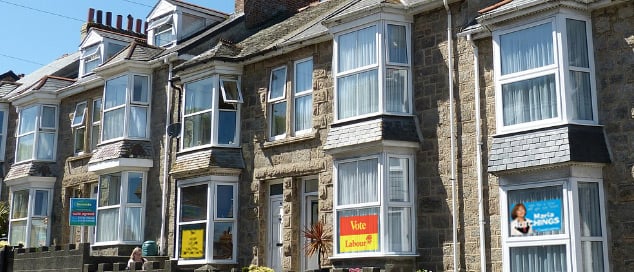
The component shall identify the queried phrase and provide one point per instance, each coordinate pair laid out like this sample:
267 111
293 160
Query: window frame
571 236
121 206
560 68
100 55
127 105
272 101
37 131
159 23
4 119
78 126
95 124
381 65
30 216
297 95
382 204
214 110
212 183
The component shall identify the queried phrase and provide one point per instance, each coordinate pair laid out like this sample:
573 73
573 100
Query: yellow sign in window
192 244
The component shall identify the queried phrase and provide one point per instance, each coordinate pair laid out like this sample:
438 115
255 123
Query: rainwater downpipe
454 210
166 150
476 75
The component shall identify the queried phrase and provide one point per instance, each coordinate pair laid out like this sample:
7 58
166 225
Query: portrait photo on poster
539 217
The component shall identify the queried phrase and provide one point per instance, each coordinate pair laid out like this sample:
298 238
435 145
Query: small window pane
48 117
396 90
132 225
1 122
25 148
192 241
398 180
38 233
197 130
589 209
45 146
581 95
113 124
78 142
278 119
109 190
592 256
303 112
96 110
399 230
577 43
107 225
78 116
198 96
351 240
537 211
20 204
193 203
357 182
224 201
230 91
311 185
529 100
94 137
538 258
223 240
137 127
18 233
140 91
135 187
41 203
226 127
527 49
276 189
304 76
115 92
112 49
397 44
27 119
358 94
163 35
357 49
278 84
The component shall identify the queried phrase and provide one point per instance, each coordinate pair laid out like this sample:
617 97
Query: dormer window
96 54
163 31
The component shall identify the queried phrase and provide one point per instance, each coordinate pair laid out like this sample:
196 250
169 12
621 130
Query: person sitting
136 257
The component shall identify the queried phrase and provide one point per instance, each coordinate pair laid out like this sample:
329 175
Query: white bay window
29 219
37 133
126 107
121 207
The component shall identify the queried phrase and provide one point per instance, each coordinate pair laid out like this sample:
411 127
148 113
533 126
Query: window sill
304 137
78 157
374 255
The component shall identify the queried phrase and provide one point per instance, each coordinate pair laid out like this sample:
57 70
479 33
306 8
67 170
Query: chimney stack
139 23
91 15
130 19
109 18
99 15
119 21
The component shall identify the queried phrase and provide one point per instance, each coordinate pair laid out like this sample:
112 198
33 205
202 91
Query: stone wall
613 37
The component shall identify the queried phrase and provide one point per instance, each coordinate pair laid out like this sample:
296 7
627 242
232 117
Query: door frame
269 244
305 201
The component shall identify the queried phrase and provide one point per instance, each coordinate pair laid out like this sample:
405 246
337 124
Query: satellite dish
174 130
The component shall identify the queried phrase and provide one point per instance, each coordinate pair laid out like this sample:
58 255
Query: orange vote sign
359 233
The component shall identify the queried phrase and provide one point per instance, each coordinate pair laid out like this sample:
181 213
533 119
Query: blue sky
36 32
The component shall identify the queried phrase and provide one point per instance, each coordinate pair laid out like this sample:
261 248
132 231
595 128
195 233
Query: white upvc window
29 218
37 133
303 96
96 54
207 220
372 70
544 74
95 130
126 107
163 31
211 112
4 115
277 103
374 206
121 208
79 127
556 225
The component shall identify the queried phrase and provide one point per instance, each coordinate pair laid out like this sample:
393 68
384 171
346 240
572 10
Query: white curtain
18 233
303 112
527 49
357 49
38 233
197 130
398 189
399 230
579 80
140 91
45 146
137 126
132 228
112 123
529 100
592 259
48 117
115 92
396 90
577 43
581 95
358 182
397 44
107 224
20 204
25 147
27 119
358 94
304 76
590 225
538 258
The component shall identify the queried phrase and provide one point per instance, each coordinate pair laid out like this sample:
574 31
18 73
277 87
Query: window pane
527 49
140 91
192 241
537 211
20 205
224 201
96 110
304 76
78 141
197 130
529 100
113 124
107 224
27 119
276 189
78 116
45 145
48 117
399 230
41 203
94 136
577 43
226 127
357 49
137 127
278 83
353 239
538 258
396 90
223 240
112 49
163 35
115 92
357 182
91 63
581 95
357 94
311 185
592 256
230 90
109 190
25 148
303 112
38 233
278 119
397 44
198 96
1 121
193 203
132 228
18 233
135 187
589 209
398 180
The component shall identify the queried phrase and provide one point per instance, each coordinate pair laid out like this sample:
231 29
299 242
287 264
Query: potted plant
319 241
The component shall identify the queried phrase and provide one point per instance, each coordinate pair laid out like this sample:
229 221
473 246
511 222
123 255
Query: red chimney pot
109 18
139 23
130 18
119 21
99 13
91 15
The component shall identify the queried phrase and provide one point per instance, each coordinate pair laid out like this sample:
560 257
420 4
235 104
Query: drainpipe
476 73
452 140
166 153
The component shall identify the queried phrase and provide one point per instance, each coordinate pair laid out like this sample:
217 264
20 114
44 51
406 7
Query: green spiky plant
319 241
4 217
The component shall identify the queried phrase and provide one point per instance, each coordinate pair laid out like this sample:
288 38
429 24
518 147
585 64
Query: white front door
276 213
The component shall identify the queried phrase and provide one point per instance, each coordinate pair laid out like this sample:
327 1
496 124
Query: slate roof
9 76
54 68
362 5
393 128
45 84
137 51
7 87
538 148
191 6
122 149
117 35
207 159
33 169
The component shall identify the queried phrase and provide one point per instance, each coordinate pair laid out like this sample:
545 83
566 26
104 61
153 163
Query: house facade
440 135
